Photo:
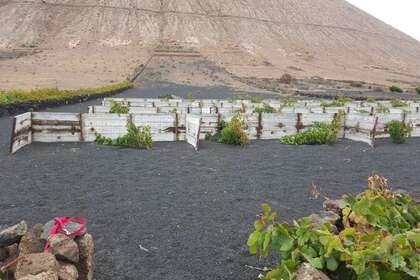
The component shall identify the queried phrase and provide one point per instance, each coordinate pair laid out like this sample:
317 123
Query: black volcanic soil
191 210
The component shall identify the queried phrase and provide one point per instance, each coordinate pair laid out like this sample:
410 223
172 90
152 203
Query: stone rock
13 234
67 271
308 272
64 248
49 275
332 205
71 227
12 254
86 265
34 264
31 242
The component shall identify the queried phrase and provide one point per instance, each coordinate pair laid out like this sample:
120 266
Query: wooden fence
182 124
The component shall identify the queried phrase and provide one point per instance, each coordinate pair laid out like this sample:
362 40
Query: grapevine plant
376 238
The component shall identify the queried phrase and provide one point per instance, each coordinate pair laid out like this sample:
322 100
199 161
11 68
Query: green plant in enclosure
318 134
190 96
266 108
377 237
370 99
418 89
398 131
395 102
337 102
381 109
255 99
118 108
166 97
288 102
139 138
396 89
231 133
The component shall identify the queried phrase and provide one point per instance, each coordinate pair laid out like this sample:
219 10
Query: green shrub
381 109
338 102
40 94
396 89
166 97
118 108
265 109
377 237
232 133
288 102
317 134
370 99
398 131
395 102
418 89
190 96
139 138
255 99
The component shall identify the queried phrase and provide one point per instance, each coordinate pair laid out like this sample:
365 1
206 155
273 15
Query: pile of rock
22 255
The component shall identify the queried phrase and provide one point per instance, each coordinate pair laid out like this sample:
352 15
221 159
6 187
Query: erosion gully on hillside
173 213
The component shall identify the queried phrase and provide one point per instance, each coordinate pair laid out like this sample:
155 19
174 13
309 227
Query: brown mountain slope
87 42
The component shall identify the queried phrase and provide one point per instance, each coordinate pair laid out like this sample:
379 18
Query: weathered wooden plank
193 130
21 134
55 116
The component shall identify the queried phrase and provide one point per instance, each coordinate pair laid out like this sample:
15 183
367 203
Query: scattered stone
13 234
332 205
31 242
34 264
86 265
64 248
401 192
49 275
12 252
308 272
67 271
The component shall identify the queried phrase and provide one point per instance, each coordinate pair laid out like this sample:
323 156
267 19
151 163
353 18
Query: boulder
67 271
31 242
64 248
33 264
86 265
11 235
332 205
12 254
308 272
49 275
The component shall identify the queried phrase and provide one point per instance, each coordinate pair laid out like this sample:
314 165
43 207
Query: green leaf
253 242
332 264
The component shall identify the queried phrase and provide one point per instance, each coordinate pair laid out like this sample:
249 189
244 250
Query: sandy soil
192 210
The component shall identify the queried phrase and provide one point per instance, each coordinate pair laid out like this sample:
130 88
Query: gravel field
192 211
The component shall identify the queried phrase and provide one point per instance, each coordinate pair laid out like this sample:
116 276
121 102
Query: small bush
356 84
398 131
381 109
396 89
190 96
370 99
255 99
139 138
288 102
376 237
232 133
395 102
118 108
265 109
338 102
166 97
286 79
418 89
318 134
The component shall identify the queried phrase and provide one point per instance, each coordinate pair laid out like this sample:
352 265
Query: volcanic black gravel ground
191 211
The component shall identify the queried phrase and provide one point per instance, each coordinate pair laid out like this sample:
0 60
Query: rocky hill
77 43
